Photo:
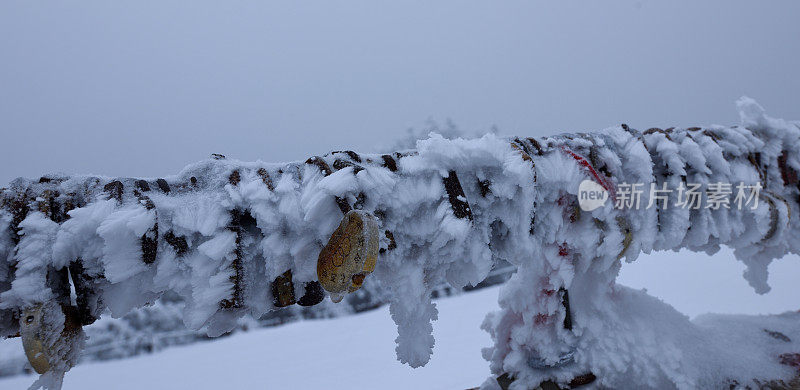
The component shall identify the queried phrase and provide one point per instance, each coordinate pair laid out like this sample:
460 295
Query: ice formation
230 237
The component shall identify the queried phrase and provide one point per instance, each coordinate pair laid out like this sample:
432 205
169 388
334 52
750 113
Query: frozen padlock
52 339
350 255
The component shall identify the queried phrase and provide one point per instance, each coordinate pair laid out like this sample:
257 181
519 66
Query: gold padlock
31 326
51 337
350 255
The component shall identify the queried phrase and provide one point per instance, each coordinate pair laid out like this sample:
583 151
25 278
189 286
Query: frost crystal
221 233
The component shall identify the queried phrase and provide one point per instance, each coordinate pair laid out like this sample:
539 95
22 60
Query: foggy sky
146 87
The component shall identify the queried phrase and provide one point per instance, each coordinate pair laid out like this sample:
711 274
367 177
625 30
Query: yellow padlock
51 336
32 331
350 255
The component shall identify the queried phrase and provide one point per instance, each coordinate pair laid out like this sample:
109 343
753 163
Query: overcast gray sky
145 87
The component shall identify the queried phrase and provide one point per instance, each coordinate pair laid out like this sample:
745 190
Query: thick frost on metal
235 238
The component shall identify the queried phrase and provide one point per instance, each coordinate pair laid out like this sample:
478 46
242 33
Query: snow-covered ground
358 351
344 353
695 283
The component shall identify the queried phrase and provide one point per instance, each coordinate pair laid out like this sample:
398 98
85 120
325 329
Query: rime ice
220 232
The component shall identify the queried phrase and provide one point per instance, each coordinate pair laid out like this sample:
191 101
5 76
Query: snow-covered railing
235 238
